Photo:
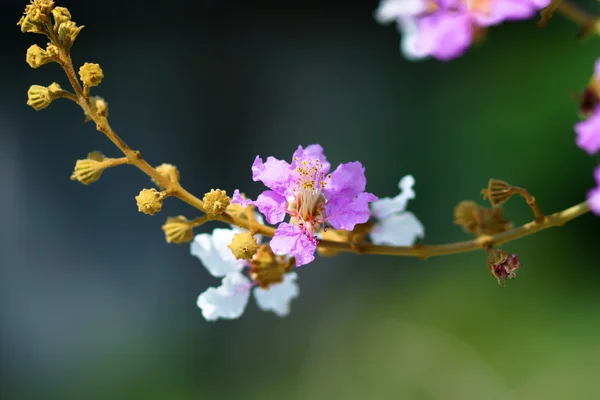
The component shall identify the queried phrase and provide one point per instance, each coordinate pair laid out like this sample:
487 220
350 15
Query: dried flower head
68 32
89 170
36 56
168 171
267 269
178 230
498 192
216 202
35 15
61 14
91 74
502 265
479 220
244 246
149 201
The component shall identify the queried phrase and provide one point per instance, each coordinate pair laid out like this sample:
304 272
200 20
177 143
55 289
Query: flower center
307 204
480 6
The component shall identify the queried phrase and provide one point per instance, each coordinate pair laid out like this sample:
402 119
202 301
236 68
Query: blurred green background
95 305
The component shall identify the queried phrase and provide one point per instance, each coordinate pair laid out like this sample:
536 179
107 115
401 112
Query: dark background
95 304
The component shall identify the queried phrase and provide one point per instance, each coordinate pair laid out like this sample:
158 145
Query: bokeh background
95 305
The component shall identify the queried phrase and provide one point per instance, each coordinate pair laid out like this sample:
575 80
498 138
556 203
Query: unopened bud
216 202
36 56
498 192
38 97
167 171
67 33
99 106
149 201
60 14
178 230
503 265
91 74
244 246
89 170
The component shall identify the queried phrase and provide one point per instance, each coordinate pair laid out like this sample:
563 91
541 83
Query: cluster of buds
37 19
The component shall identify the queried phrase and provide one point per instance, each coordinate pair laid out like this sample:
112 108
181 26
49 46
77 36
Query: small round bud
215 202
61 14
88 170
91 74
99 105
38 97
178 230
168 171
498 192
36 56
149 201
244 246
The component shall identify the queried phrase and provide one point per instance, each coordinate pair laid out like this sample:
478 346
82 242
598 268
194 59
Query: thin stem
575 14
114 162
539 216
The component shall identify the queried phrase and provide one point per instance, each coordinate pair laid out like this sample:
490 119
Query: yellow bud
61 14
36 56
99 106
178 230
91 74
31 25
67 33
38 97
215 202
88 170
149 201
54 88
168 171
244 246
498 192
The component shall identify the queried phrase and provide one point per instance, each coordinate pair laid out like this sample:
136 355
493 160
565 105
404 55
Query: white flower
395 226
229 300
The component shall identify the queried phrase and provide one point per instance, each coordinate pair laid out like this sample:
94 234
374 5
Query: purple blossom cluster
444 29
588 131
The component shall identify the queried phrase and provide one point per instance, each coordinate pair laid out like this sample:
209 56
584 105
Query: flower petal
214 253
392 10
277 297
311 154
238 199
272 206
289 239
445 35
588 133
275 174
397 230
387 205
228 301
345 213
348 180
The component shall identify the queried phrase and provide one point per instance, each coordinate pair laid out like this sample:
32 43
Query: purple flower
445 29
594 194
588 133
312 197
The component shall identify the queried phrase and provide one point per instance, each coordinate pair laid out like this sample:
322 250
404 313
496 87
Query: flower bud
61 14
168 171
99 106
38 97
149 201
216 202
67 33
178 230
503 265
498 192
88 170
36 56
244 246
91 74
266 268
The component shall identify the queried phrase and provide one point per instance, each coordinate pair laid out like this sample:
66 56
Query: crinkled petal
214 253
275 174
228 301
311 154
392 10
277 297
397 230
238 199
289 239
445 35
348 180
588 133
345 213
272 205
389 205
